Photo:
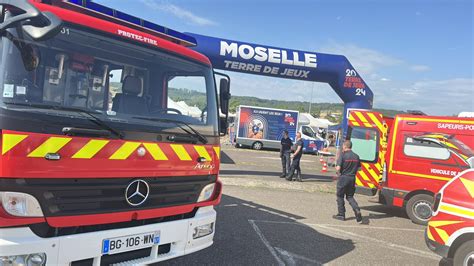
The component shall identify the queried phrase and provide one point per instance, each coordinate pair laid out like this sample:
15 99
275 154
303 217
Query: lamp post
311 99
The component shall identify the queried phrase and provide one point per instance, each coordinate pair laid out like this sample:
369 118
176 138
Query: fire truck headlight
35 259
203 230
206 192
20 204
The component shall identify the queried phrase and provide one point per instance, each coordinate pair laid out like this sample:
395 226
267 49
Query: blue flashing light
181 36
170 33
99 8
128 18
154 27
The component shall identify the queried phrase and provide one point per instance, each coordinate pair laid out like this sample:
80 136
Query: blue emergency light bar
137 22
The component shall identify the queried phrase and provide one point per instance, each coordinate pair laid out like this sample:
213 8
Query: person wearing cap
285 152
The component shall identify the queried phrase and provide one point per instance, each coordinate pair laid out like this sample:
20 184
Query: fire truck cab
450 232
407 159
97 167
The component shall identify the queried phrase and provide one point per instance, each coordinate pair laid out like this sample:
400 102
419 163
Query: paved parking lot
269 221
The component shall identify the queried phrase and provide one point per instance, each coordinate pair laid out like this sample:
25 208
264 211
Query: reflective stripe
217 149
52 145
442 234
457 210
437 120
155 151
362 117
125 150
201 150
421 175
355 123
430 236
376 121
11 140
469 185
442 223
181 152
366 178
358 182
90 149
372 173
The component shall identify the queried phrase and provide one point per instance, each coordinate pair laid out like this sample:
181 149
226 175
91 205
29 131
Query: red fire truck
407 159
97 164
450 232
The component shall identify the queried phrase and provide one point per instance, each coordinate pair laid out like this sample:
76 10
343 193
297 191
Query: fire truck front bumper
436 247
141 245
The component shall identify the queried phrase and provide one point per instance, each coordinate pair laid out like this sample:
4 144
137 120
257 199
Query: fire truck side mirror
224 95
38 25
49 27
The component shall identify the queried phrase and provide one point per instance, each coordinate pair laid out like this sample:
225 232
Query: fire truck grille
64 197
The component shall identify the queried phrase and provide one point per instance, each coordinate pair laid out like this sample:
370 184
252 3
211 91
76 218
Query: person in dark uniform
296 156
285 152
347 166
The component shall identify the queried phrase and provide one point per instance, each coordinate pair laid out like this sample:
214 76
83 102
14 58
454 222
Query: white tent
307 119
184 108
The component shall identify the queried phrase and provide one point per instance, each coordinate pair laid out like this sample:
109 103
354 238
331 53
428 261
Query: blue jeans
285 163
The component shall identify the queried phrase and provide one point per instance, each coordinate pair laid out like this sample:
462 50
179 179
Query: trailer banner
266 124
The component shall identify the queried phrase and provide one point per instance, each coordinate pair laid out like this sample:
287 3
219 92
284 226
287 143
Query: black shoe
289 177
359 217
282 176
339 217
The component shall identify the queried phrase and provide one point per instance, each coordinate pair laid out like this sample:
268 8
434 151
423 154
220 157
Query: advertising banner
266 124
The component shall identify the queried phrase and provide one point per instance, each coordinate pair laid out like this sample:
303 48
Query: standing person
285 152
296 156
347 166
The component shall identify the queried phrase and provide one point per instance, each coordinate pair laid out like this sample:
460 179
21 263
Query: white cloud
434 97
365 61
420 68
178 12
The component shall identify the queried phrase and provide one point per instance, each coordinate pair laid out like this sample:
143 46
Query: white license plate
131 242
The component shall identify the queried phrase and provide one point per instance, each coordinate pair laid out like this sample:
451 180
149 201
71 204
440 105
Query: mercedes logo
137 192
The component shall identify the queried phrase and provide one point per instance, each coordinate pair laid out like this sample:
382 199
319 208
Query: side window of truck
188 95
364 143
424 149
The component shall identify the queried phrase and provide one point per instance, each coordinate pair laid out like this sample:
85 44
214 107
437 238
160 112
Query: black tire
464 255
418 208
257 145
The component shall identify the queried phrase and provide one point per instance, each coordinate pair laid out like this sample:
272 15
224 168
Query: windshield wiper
194 132
90 113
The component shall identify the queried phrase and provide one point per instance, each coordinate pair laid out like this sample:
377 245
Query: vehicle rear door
368 133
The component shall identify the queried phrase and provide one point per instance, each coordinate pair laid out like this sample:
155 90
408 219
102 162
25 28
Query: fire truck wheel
418 208
464 255
257 145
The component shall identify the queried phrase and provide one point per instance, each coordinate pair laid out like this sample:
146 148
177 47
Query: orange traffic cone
321 160
325 168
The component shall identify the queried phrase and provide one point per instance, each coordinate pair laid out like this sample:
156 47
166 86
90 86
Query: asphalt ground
264 220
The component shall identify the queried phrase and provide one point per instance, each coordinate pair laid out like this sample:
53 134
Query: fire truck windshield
120 82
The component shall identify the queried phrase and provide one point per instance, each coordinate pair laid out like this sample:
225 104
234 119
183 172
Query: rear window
364 143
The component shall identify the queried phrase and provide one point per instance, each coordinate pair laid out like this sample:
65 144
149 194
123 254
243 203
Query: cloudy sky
413 54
